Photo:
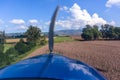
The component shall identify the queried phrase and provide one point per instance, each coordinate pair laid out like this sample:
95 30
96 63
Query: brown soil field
14 40
102 55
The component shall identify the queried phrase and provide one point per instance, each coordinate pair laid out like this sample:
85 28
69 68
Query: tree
1 48
43 40
2 37
87 33
33 34
31 44
21 47
4 60
104 31
108 31
111 33
96 32
91 33
12 53
117 32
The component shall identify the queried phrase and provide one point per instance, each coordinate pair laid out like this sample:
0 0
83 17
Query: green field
62 39
7 46
58 39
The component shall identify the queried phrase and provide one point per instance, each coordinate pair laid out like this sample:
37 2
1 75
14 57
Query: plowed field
102 55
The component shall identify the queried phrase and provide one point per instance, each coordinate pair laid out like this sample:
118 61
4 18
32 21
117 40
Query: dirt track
103 55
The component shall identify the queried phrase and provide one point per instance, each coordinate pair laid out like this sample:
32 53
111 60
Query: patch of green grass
60 39
7 46
20 57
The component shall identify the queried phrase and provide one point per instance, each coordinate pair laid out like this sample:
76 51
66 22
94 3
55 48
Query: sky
18 15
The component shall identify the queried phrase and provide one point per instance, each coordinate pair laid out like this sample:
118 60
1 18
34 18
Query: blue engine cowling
50 66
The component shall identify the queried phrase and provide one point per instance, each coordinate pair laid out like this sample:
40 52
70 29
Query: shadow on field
101 70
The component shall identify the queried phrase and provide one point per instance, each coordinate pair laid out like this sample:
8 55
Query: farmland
102 55
14 40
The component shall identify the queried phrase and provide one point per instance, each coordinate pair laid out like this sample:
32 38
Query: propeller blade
51 30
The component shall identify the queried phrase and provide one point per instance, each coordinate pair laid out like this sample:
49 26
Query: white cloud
112 23
111 3
79 18
17 21
97 20
33 21
64 23
83 16
64 8
18 28
23 27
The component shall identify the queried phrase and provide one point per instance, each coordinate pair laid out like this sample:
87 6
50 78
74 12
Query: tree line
33 37
106 31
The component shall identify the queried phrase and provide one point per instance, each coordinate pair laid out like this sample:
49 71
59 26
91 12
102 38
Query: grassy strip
62 39
7 46
20 57
57 40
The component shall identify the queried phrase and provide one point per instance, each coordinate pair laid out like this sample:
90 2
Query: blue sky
17 15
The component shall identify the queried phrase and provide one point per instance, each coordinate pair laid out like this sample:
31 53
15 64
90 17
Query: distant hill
59 32
69 32
14 35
